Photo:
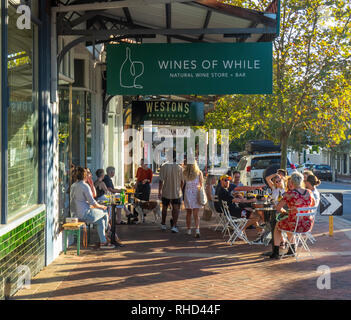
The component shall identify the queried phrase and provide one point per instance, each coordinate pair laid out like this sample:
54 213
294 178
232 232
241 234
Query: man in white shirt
170 191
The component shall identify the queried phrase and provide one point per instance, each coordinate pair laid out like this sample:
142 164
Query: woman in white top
193 181
311 183
276 183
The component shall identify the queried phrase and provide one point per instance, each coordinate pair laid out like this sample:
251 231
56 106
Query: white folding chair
301 237
234 226
221 220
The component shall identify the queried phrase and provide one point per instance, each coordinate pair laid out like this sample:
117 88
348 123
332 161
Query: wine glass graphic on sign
130 71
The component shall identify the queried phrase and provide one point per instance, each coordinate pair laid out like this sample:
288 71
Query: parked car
304 166
232 163
252 166
323 172
308 166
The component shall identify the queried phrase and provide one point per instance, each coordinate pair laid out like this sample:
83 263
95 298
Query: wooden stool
74 228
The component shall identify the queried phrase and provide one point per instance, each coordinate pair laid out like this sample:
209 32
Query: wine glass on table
265 196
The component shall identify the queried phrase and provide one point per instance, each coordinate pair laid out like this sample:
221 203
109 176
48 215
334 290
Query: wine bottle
127 71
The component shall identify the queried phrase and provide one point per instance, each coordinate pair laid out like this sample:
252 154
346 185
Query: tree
311 68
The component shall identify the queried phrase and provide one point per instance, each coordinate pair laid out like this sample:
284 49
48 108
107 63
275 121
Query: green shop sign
168 112
194 68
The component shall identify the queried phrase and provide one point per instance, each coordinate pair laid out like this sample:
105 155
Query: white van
252 166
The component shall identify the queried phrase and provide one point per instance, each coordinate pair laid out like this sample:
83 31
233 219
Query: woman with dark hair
84 206
311 183
100 186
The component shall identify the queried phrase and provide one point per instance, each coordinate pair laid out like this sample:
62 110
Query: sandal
106 245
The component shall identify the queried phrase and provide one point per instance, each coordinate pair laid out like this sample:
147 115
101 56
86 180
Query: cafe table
116 208
269 211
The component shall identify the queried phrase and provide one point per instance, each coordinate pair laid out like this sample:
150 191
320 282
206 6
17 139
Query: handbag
281 217
202 198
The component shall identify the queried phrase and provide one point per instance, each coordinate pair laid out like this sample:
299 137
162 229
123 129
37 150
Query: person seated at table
210 190
298 197
307 173
100 186
144 179
90 182
236 178
276 183
84 206
233 202
255 217
311 183
110 173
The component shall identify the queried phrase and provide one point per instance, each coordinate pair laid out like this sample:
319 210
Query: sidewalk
160 265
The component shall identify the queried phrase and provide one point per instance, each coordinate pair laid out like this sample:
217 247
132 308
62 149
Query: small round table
270 219
115 208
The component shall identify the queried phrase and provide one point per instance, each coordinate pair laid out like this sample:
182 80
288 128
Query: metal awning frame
97 14
103 27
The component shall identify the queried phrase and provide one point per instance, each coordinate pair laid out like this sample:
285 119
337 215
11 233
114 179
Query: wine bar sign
189 68
168 112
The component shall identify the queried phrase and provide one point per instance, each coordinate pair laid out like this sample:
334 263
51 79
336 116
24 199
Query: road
344 188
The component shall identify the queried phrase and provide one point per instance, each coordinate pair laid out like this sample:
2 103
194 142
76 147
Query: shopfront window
78 128
74 149
22 117
64 153
88 130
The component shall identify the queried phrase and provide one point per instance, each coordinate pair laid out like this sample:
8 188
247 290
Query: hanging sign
189 68
184 113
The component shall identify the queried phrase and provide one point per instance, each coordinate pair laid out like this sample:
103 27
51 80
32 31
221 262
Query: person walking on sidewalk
170 191
193 181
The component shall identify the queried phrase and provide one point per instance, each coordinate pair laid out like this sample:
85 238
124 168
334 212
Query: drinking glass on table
108 196
265 194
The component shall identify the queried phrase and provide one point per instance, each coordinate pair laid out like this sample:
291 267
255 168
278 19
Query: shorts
166 202
235 211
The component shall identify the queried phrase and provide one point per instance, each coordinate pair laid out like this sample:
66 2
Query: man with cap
224 193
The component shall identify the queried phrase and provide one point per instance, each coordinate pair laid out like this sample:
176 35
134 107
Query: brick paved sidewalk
160 265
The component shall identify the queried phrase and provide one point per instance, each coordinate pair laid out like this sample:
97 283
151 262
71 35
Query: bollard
331 226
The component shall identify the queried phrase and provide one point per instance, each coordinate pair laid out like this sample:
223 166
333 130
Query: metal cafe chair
234 226
220 216
301 237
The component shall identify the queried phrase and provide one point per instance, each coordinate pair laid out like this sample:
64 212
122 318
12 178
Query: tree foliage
311 72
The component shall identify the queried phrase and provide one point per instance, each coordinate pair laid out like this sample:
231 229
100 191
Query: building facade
48 123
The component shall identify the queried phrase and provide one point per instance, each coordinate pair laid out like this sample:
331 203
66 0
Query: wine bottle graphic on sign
130 71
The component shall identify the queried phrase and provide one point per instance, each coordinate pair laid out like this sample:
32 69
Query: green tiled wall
24 245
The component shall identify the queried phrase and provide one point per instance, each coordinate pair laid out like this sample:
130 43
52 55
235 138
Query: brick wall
22 246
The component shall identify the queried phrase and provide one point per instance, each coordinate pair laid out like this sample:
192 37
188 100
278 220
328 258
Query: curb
343 181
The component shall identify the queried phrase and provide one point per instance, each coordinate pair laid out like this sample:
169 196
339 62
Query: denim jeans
100 218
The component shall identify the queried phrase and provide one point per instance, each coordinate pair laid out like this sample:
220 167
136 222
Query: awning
162 21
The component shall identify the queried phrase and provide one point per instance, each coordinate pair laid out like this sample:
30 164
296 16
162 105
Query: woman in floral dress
293 199
193 181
